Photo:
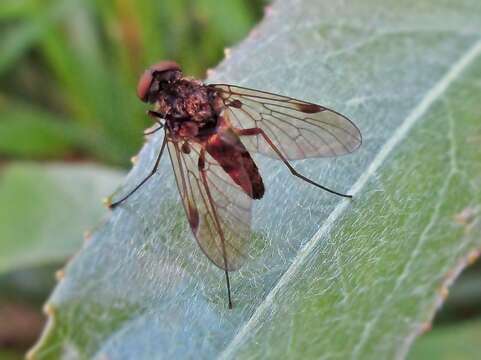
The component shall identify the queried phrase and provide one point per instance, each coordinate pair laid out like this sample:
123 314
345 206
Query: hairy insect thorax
189 107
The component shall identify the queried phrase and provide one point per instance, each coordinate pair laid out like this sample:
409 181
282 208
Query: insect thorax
189 106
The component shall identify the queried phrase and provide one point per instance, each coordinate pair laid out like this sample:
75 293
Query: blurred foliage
29 286
68 68
67 203
460 341
464 300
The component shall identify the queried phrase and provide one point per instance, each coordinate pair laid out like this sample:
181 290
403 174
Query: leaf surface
328 278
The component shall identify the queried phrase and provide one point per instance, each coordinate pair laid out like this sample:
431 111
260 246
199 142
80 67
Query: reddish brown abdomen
226 147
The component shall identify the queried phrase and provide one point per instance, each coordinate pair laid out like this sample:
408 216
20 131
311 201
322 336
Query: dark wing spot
185 148
193 217
309 108
236 104
201 163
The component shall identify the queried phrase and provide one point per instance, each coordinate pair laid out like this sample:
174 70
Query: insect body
211 132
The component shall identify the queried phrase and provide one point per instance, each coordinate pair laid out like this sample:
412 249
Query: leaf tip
87 234
30 355
107 202
210 72
49 310
444 292
466 216
227 53
427 326
60 275
473 256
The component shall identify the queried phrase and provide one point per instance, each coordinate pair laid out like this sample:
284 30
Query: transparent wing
219 212
298 128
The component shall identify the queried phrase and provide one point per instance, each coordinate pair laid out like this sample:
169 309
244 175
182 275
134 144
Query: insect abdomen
226 147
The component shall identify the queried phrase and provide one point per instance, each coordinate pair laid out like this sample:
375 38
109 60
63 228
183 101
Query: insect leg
150 132
156 116
152 172
217 223
259 131
228 288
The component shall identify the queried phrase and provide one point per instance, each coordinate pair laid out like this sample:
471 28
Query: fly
211 130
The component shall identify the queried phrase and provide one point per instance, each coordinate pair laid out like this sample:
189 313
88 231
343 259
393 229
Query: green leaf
328 277
99 98
12 9
10 355
460 342
36 20
464 298
46 209
30 285
27 131
83 58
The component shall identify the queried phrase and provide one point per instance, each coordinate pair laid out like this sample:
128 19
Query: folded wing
218 210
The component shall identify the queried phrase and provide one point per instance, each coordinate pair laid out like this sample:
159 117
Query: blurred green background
68 73
69 68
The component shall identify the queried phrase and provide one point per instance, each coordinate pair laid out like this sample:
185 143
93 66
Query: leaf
459 342
48 209
29 285
30 132
17 41
10 355
328 277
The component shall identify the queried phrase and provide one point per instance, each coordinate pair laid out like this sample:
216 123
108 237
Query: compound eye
143 85
164 66
145 81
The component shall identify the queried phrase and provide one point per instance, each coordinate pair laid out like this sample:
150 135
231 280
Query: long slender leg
228 287
156 116
161 126
259 131
152 172
217 223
